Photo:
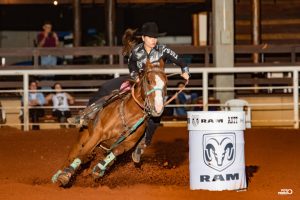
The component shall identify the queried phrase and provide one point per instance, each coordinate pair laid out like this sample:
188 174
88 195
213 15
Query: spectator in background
35 99
47 38
185 97
61 101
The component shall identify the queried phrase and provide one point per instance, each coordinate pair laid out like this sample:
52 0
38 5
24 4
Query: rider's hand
185 75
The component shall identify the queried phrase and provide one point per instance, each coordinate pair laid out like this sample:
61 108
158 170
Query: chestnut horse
120 125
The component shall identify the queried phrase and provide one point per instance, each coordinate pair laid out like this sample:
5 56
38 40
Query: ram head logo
219 150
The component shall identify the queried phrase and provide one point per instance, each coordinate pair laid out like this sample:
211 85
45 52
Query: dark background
175 19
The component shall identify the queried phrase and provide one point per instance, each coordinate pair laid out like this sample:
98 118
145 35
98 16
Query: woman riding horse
120 125
138 53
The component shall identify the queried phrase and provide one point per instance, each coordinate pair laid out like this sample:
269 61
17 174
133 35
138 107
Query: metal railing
202 55
205 72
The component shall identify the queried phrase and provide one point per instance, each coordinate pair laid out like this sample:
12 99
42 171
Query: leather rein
167 102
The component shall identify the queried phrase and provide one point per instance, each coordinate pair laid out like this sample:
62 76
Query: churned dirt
29 159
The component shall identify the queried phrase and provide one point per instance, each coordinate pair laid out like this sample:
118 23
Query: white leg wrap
54 177
75 164
110 157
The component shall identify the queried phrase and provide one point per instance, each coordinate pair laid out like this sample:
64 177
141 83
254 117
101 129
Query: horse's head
154 82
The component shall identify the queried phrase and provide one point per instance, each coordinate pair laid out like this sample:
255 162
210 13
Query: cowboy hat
150 29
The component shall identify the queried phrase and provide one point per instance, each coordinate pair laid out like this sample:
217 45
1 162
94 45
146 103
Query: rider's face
149 42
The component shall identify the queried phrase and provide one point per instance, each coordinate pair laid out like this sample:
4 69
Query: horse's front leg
73 162
63 176
77 156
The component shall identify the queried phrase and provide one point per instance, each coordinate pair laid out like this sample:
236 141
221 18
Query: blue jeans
48 60
182 111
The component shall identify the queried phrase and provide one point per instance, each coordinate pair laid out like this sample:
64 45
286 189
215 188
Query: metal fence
205 73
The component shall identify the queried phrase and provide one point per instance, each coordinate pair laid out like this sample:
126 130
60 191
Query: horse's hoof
97 173
138 165
64 178
136 158
55 176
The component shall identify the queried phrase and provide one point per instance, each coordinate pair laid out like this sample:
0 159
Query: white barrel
216 150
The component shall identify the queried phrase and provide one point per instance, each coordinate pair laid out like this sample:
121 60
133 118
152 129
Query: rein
154 89
176 94
135 99
129 130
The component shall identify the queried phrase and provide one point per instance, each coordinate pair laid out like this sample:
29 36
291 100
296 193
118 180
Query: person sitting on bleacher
35 99
61 101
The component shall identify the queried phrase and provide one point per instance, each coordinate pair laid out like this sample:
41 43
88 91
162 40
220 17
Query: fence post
116 75
121 58
296 98
206 57
35 58
293 55
205 91
25 102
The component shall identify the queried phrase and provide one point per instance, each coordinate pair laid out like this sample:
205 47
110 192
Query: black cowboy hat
150 29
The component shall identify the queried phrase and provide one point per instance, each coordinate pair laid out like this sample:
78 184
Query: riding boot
153 123
88 113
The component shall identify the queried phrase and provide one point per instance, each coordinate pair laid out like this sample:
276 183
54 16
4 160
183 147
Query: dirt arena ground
29 159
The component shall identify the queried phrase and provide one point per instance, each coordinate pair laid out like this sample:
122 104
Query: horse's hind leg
101 167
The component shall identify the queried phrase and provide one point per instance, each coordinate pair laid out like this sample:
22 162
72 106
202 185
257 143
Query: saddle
90 111
103 102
